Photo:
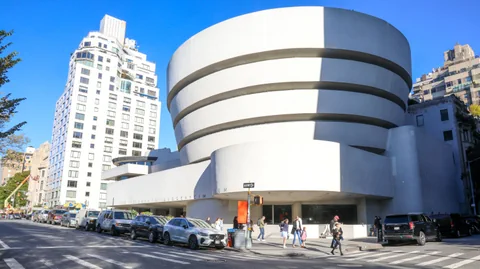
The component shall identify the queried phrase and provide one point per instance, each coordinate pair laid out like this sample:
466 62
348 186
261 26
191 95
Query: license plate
217 242
396 228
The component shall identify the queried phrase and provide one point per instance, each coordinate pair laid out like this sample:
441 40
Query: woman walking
284 232
337 236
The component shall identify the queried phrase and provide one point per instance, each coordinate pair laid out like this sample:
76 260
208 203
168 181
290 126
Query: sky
47 31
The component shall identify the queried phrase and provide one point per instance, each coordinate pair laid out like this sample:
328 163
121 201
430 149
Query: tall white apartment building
109 109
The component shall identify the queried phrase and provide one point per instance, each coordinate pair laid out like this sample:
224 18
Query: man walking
297 231
332 226
261 227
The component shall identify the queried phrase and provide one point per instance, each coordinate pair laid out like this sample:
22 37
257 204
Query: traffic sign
249 185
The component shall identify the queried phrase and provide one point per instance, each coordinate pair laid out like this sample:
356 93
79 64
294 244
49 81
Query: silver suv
114 221
194 232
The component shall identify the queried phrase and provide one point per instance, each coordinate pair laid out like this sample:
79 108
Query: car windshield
93 213
123 215
396 219
73 215
59 212
198 223
161 220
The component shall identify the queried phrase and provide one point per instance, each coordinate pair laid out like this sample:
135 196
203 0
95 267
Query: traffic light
258 200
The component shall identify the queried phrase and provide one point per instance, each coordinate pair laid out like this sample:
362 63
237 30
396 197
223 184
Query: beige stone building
38 162
459 75
18 162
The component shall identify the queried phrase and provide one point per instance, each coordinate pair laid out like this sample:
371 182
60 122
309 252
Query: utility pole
471 185
248 234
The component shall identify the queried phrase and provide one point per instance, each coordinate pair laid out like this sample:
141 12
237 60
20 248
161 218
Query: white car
194 232
87 218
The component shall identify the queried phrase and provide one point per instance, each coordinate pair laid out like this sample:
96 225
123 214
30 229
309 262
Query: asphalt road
24 244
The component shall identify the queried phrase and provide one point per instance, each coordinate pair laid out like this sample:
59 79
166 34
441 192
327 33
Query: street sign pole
248 234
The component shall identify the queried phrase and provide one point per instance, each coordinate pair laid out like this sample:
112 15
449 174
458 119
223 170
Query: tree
12 184
475 110
9 140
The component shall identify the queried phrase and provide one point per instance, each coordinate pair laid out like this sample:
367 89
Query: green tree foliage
12 184
475 110
9 140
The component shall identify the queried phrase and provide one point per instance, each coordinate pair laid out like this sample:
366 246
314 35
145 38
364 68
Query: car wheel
113 231
193 242
421 238
133 234
152 237
166 239
219 247
99 230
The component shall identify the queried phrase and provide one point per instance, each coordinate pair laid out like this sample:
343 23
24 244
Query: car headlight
203 234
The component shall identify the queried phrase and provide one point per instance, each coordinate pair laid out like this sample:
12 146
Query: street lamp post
471 184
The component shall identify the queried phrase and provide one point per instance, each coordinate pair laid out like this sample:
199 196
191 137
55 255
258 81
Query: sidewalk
315 247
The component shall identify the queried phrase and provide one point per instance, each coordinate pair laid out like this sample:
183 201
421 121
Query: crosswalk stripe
458 264
193 255
5 246
121 264
371 256
160 258
248 257
393 256
81 262
176 256
440 259
415 258
218 256
13 264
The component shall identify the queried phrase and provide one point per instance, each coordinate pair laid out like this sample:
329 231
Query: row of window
73 194
121 151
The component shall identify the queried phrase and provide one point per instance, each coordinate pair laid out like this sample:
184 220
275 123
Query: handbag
293 230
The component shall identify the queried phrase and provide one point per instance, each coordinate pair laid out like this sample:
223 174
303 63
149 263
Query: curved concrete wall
289 67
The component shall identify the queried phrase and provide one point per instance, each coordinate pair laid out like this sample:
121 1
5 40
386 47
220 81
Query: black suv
453 224
150 227
408 227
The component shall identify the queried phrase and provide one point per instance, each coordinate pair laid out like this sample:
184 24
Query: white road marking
55 247
440 259
415 258
195 256
356 254
81 262
121 264
47 263
13 264
218 256
159 258
467 261
371 256
176 256
5 246
394 256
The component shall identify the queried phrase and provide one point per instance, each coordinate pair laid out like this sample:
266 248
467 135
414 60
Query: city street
24 244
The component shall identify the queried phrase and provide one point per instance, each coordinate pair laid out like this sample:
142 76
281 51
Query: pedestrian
208 221
217 224
261 227
235 222
337 236
332 226
284 232
304 237
221 224
378 227
297 230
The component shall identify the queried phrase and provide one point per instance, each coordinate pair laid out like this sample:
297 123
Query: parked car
150 227
43 216
410 227
17 216
87 218
35 214
194 232
114 221
452 224
68 219
474 222
55 216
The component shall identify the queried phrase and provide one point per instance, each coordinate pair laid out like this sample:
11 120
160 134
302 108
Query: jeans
262 233
295 235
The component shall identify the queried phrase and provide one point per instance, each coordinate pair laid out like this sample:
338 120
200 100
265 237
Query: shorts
284 234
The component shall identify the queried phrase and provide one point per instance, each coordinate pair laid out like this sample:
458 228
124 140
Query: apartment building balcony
128 167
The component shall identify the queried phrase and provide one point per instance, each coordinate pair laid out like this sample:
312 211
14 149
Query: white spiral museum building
307 102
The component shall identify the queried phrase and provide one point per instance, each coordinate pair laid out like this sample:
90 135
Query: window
125 117
138 128
95 118
99 84
87 194
92 146
94 127
108 59
447 135
420 120
77 135
106 167
88 183
153 114
125 125
113 97
84 90
137 145
111 113
137 136
99 75
152 93
79 116
89 174
140 104
151 130
100 58
91 156
153 123
136 153
125 86
85 71
153 107
444 114
73 174
92 136
139 111
84 80
102 205
139 76
107 149
319 214
124 134
71 194
112 79
74 164
126 108
127 100
150 147
75 154
112 105
95 109
107 158
277 213
90 165
151 139
72 183
82 98
111 87
150 80
122 152
108 140
107 68
87 44
76 144
78 125
103 186
123 143
81 107
110 122
97 101
138 120
98 91
109 131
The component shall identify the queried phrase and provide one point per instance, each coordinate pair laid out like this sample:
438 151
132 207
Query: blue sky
47 31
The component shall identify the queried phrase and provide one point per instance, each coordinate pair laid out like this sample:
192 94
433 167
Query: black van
452 224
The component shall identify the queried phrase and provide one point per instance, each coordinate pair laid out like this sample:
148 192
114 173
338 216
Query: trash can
239 239
230 237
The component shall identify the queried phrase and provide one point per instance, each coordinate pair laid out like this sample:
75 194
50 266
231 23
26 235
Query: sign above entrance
249 185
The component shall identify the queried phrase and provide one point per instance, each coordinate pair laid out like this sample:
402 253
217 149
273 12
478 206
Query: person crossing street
261 227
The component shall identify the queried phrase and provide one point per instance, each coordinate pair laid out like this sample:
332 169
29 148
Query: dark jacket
337 233
235 224
332 225
284 227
